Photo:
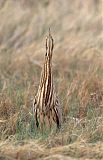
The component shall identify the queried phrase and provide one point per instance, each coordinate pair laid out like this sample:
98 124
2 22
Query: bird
46 104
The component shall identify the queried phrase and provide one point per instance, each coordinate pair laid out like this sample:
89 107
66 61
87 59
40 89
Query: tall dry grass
77 68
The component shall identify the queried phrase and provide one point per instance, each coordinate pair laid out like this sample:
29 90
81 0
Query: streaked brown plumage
46 104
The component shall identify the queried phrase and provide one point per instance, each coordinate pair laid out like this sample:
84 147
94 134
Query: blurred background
76 26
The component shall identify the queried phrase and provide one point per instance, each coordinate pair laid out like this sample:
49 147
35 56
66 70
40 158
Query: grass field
77 29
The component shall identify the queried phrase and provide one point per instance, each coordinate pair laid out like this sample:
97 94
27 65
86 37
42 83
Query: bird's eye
34 102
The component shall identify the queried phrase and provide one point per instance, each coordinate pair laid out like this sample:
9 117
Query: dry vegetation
78 75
